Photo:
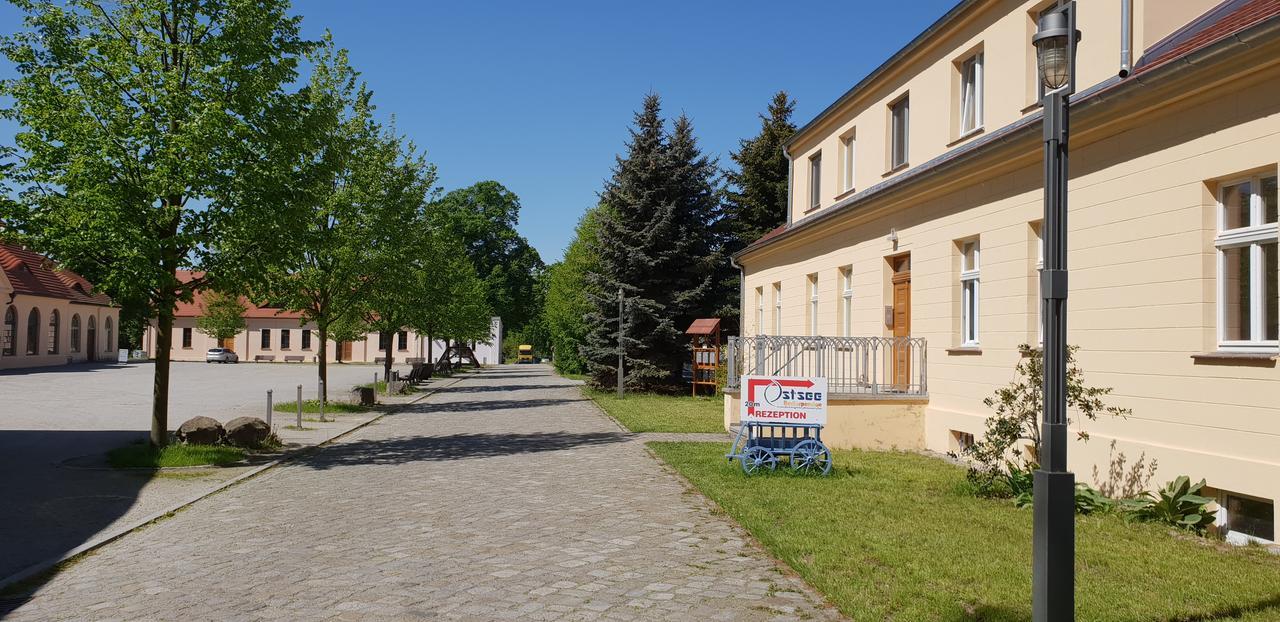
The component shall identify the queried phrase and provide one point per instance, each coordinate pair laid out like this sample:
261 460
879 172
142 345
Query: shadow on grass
1271 604
453 447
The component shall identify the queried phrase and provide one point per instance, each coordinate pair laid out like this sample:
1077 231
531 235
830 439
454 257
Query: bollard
268 408
299 407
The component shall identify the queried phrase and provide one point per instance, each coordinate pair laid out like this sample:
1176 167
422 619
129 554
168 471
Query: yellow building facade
915 209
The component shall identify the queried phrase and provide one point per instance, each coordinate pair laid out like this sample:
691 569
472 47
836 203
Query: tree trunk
160 386
430 343
386 361
324 362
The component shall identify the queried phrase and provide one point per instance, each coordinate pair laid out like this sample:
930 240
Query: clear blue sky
539 95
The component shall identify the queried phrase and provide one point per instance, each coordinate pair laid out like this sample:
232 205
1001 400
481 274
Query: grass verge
640 412
894 536
176 455
313 406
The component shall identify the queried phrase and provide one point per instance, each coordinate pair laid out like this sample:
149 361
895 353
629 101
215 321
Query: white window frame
813 305
777 309
1252 237
846 302
971 93
760 310
849 146
895 161
815 181
970 293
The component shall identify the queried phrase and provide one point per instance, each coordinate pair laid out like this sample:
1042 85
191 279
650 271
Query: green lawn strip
176 455
640 412
313 406
893 536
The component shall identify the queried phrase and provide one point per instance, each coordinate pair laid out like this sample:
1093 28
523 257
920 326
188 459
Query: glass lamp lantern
1054 50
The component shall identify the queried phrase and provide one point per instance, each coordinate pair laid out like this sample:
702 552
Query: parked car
221 355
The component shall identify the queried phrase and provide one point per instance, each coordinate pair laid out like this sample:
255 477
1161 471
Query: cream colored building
51 316
915 209
274 335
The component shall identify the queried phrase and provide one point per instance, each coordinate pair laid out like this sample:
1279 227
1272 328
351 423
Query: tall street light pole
1053 554
622 350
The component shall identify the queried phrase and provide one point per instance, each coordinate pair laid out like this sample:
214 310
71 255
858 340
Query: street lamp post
1053 555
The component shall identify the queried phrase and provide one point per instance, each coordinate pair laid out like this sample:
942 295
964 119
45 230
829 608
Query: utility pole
621 334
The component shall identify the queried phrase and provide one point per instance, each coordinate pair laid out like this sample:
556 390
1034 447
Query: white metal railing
889 366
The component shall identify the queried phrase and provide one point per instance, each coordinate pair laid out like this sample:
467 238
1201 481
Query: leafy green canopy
158 135
567 299
222 316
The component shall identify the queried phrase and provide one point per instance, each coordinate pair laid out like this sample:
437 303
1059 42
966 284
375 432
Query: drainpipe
1126 37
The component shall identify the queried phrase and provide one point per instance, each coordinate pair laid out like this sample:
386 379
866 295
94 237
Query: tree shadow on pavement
500 388
454 447
486 405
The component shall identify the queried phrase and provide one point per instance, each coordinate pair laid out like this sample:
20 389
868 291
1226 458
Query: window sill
1227 357
811 209
847 193
966 136
899 168
965 351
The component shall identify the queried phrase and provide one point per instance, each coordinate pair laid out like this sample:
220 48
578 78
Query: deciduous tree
157 135
222 316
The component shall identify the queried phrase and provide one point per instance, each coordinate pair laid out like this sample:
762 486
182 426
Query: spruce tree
656 243
756 200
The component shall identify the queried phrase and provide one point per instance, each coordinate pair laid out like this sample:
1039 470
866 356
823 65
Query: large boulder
247 431
200 431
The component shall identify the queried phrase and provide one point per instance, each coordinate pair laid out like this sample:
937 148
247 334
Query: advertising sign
777 399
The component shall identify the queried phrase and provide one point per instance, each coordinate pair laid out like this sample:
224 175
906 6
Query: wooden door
902 322
228 343
344 352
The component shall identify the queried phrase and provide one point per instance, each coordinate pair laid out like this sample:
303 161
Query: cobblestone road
505 496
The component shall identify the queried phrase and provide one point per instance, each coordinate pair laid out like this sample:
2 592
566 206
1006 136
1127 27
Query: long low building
52 316
907 272
280 336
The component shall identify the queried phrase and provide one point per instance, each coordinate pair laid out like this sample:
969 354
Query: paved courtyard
505 496
48 416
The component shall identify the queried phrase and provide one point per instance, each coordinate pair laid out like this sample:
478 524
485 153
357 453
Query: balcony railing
853 366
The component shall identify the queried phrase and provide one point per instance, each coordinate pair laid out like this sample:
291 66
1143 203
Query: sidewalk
88 514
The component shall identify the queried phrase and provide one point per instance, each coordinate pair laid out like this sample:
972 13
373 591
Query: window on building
111 338
971 94
777 308
54 320
75 333
1248 318
306 339
33 332
900 112
284 338
266 339
1248 516
815 181
1038 230
970 260
846 301
186 338
760 310
9 338
384 340
848 150
813 305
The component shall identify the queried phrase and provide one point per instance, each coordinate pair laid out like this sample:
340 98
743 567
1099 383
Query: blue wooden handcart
760 446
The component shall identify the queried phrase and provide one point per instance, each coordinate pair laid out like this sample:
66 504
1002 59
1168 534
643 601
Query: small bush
1091 501
1179 504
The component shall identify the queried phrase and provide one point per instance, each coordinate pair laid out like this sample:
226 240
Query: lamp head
1055 42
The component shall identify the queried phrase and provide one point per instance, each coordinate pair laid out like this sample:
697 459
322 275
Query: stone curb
43 566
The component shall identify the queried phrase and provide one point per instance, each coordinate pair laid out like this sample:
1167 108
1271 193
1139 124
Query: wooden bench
264 358
295 359
379 359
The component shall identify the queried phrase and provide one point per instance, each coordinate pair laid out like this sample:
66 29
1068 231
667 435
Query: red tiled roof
704 326
195 308
33 274
1218 23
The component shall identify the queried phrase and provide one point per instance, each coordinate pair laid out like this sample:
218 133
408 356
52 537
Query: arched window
9 336
111 343
54 319
75 333
33 332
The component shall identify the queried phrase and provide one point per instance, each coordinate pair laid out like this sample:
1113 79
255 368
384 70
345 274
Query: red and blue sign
779 399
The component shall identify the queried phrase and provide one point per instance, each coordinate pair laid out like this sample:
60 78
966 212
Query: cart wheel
757 458
811 457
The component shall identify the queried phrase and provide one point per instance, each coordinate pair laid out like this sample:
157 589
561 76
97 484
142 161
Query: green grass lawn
313 406
893 536
641 412
176 455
